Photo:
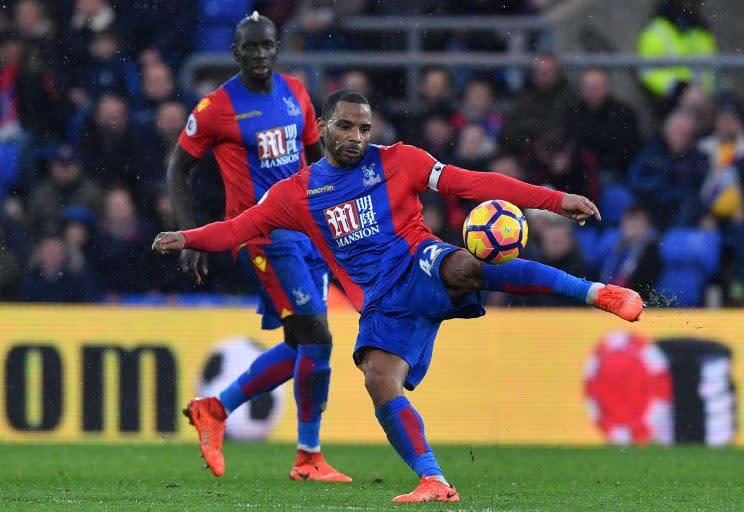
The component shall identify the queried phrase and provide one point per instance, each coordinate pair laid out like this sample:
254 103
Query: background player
359 205
258 124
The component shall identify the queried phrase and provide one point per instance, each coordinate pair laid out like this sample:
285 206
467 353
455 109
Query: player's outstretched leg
463 274
384 375
312 379
270 369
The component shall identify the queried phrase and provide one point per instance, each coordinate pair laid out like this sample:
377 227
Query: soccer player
359 205
261 125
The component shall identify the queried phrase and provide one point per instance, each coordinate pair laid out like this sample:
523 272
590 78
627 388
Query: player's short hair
347 95
251 20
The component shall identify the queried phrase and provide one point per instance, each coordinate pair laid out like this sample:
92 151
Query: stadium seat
225 11
10 154
605 243
586 238
217 23
613 202
689 258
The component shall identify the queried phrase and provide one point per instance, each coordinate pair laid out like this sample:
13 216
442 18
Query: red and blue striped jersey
366 221
257 139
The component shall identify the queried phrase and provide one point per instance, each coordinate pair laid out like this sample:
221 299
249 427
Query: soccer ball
495 231
254 420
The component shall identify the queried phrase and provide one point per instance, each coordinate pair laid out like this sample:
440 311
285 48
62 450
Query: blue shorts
405 321
291 276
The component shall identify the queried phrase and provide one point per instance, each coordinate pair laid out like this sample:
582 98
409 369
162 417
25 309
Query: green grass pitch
141 477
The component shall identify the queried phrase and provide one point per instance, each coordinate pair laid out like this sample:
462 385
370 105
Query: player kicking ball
359 205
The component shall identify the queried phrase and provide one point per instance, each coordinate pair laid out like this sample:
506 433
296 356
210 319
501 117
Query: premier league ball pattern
495 231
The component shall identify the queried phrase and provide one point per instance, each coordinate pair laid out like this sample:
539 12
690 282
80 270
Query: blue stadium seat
217 23
613 202
214 38
689 258
605 243
586 238
225 11
10 156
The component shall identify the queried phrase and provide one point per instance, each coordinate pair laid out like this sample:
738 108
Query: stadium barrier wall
96 373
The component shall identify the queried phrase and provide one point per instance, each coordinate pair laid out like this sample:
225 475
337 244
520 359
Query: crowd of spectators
90 110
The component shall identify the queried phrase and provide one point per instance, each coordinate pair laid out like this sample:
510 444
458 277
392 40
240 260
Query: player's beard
348 161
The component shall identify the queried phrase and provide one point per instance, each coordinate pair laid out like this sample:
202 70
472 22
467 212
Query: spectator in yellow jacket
677 30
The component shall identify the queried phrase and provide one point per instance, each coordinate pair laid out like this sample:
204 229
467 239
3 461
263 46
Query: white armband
435 174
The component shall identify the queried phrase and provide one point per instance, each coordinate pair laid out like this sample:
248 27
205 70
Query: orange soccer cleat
430 489
208 416
312 466
620 301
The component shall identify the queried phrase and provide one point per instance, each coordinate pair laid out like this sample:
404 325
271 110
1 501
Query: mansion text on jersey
352 220
282 160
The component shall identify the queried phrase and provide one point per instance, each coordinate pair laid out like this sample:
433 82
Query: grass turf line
141 477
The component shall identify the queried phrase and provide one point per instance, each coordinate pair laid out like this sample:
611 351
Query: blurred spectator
169 122
158 86
89 18
66 185
560 163
11 271
558 248
164 271
122 246
436 92
678 29
541 107
721 191
108 69
474 148
437 136
33 23
478 107
318 22
667 174
634 261
50 278
357 80
383 132
605 126
509 165
435 213
700 106
42 107
79 233
10 60
110 147
160 29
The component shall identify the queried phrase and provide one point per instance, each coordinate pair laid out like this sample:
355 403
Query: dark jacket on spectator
537 112
582 176
49 200
610 132
636 266
669 185
113 158
65 287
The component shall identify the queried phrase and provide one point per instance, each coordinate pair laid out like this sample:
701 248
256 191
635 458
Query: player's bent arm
482 186
178 176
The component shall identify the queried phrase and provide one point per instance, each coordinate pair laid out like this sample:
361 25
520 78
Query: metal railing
413 60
